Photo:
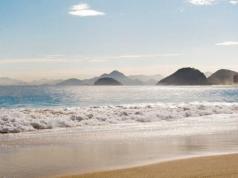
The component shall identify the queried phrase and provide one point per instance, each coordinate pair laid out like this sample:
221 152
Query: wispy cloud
84 10
91 59
132 57
202 2
211 2
234 2
31 61
150 55
228 43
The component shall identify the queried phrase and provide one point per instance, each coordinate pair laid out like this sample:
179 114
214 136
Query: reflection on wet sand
72 153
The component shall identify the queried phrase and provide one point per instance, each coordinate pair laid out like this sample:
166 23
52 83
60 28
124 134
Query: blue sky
73 38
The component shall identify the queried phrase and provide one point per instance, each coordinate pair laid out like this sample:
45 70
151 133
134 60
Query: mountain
185 76
236 79
223 77
116 75
107 81
147 79
70 82
90 81
123 79
4 81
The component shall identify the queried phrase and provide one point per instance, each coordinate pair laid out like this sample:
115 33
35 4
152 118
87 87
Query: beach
119 89
73 152
223 166
119 133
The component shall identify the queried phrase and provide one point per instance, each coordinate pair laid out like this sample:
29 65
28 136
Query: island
185 76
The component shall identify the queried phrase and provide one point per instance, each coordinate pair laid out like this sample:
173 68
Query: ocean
81 96
34 108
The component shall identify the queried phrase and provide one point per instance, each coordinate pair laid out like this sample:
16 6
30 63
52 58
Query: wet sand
73 152
225 166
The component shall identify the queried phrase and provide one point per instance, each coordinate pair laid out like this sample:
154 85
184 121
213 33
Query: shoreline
212 166
74 153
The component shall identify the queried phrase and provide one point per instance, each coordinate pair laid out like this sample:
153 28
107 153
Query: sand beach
223 166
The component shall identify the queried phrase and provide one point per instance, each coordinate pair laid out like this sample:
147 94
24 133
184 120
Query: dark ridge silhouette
123 79
223 77
107 81
236 79
116 75
185 76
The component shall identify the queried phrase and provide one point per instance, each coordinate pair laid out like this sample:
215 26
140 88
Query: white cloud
234 2
228 43
210 2
202 2
84 10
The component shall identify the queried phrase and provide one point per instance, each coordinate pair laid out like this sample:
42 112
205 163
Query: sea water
33 108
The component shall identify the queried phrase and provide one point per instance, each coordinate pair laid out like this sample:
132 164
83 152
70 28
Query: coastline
75 152
213 166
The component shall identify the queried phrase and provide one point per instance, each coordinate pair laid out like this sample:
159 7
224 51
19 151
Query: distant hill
223 77
107 81
90 81
116 75
70 82
185 76
236 79
4 81
147 79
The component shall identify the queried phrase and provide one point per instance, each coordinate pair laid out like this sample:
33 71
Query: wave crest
32 119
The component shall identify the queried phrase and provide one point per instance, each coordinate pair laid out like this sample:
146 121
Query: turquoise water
24 96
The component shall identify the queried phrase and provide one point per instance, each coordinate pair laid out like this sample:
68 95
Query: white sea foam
32 119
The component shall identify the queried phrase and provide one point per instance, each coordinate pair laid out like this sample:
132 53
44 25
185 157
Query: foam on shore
162 115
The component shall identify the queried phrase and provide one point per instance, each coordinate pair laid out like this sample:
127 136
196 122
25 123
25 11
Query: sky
54 39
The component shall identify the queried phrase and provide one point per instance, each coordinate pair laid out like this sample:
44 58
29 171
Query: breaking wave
32 119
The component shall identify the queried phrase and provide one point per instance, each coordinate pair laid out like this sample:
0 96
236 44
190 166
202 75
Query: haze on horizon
83 38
